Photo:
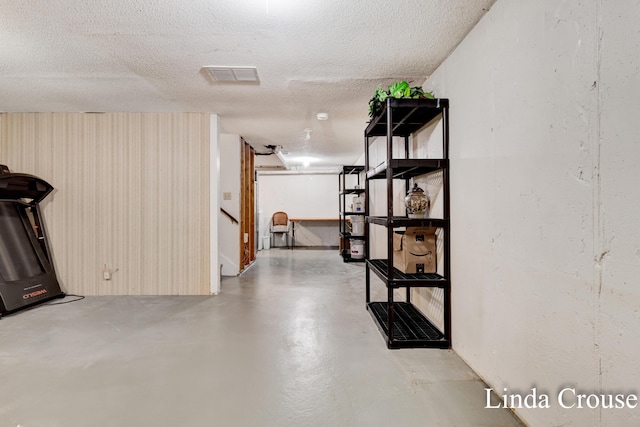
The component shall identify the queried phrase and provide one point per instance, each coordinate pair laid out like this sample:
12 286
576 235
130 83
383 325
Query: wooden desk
293 226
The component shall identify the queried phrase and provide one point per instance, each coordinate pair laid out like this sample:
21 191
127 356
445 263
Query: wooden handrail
228 215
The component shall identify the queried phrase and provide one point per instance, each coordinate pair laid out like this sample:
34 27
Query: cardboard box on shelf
414 250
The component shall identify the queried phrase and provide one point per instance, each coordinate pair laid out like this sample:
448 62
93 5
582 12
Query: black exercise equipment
27 276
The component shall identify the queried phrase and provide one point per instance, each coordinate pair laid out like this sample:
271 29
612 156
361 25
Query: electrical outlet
226 195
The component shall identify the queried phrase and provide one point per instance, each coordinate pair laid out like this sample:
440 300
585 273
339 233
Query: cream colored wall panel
2 140
131 194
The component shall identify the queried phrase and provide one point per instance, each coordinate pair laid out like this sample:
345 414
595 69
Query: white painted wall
545 201
302 196
230 163
616 268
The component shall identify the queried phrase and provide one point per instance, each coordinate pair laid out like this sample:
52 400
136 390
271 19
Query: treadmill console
27 275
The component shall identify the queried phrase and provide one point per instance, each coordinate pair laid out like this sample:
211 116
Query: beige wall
132 192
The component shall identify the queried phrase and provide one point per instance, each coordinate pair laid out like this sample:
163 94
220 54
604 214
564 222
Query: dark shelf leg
368 286
390 317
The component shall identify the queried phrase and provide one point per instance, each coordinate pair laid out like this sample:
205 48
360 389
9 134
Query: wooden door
247 207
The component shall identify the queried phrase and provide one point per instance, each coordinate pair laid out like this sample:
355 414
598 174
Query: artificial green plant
399 89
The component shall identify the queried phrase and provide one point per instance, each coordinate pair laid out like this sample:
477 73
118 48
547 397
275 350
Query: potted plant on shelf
399 89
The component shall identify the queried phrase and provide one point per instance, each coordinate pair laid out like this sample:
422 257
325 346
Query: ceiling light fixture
322 116
232 74
305 161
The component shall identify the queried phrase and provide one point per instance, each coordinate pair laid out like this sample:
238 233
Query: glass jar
417 202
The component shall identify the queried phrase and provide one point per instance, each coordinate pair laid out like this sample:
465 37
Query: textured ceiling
147 56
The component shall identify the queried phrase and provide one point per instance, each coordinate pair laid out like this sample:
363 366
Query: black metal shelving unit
401 323
343 192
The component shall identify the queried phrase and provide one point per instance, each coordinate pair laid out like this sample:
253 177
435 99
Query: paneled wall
132 195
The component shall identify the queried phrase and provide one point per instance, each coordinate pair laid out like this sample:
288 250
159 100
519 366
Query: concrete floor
288 343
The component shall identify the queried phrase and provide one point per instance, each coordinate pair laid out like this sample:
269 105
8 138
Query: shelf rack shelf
407 168
354 174
411 329
399 279
409 116
401 323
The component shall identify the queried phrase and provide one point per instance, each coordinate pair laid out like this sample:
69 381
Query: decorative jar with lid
417 203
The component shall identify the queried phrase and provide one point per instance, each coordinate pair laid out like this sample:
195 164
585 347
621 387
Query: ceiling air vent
232 74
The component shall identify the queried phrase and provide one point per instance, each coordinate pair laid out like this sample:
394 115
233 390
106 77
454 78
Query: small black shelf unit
401 323
353 175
